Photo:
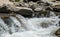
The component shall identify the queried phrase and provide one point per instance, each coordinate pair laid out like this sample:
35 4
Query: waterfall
15 24
40 33
23 21
19 26
3 27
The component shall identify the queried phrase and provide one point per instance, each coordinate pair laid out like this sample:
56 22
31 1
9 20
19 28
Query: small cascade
42 22
40 33
29 18
19 26
23 21
3 27
15 25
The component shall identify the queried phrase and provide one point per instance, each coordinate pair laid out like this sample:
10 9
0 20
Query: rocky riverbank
11 11
30 9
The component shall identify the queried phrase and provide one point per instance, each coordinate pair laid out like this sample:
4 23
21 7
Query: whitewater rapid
18 26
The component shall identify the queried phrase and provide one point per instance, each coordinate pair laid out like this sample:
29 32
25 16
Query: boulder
56 6
38 9
6 6
32 0
16 0
2 2
21 4
57 13
57 33
24 11
33 5
9 8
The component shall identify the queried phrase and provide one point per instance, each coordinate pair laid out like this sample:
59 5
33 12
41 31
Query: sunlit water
19 26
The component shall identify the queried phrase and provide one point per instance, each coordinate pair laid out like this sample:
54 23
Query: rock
48 0
33 5
3 10
4 15
26 5
57 13
57 33
9 8
33 0
56 7
2 2
55 3
24 11
41 11
6 6
38 9
21 4
16 0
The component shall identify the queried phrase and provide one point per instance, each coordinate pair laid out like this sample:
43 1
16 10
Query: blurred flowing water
19 26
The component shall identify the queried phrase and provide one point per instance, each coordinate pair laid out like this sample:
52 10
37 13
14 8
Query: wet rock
9 8
16 0
21 4
57 8
24 11
33 5
38 9
58 33
6 6
48 0
57 13
41 11
33 0
3 9
4 15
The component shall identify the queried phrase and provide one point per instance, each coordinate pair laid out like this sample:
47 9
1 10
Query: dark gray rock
24 11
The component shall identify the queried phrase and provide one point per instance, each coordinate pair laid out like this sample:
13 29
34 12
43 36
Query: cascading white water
31 27
23 21
15 25
3 25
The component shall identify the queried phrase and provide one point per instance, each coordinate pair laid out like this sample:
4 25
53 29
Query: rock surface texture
30 8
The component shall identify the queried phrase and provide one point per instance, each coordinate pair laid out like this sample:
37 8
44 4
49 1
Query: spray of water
18 26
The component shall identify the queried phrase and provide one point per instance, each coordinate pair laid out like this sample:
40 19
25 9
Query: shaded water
18 26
